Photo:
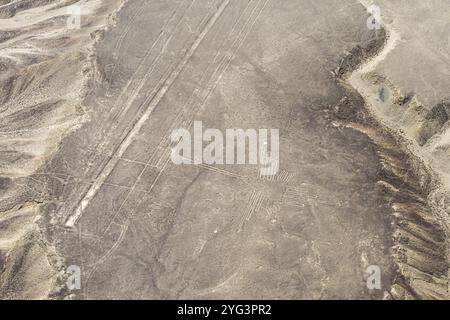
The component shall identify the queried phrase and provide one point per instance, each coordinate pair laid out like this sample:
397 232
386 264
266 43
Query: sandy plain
86 176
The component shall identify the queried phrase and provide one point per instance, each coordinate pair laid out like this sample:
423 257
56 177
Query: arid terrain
91 92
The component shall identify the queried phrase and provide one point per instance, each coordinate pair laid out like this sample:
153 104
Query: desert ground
87 179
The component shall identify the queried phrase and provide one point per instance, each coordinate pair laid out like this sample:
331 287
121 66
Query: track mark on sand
71 221
254 203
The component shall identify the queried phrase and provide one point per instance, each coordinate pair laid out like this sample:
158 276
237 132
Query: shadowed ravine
411 187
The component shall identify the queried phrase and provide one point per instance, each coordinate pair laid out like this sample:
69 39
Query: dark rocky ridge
420 241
